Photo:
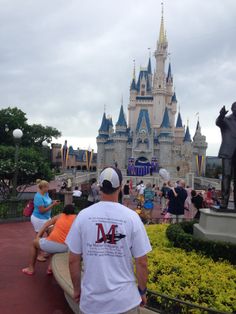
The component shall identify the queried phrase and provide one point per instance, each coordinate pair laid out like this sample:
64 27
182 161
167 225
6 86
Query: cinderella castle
152 136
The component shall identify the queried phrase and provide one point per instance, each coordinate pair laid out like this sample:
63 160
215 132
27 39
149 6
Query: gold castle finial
162 34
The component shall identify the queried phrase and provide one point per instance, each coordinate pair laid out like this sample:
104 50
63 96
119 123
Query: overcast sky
61 61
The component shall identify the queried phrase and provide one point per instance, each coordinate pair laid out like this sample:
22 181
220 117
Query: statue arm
220 121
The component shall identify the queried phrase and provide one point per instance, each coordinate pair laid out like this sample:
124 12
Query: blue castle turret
187 136
179 123
166 121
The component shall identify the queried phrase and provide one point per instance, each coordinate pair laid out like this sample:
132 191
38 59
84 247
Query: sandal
41 259
28 272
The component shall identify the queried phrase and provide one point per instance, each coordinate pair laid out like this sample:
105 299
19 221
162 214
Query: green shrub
189 276
11 209
181 235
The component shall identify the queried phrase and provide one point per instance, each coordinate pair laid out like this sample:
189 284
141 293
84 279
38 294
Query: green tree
34 160
11 119
32 165
34 135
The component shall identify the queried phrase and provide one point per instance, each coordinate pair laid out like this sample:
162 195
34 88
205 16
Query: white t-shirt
108 235
140 189
77 193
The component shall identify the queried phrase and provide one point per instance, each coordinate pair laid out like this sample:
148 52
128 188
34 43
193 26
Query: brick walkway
19 293
38 294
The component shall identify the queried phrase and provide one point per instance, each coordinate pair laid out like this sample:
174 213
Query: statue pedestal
217 226
68 197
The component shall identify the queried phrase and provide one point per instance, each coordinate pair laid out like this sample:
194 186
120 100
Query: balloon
164 174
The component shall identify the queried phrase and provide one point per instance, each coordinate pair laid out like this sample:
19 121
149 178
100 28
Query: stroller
148 204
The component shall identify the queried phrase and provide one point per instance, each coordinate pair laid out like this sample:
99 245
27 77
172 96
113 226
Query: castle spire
179 123
166 120
133 82
149 68
134 71
162 34
121 120
173 98
187 136
104 124
169 74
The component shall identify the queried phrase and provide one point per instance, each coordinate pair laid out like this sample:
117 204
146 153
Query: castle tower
153 133
166 141
121 139
101 140
132 100
159 81
199 151
56 155
179 130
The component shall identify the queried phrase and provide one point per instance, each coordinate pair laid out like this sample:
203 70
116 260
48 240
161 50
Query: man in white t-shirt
108 236
140 188
77 192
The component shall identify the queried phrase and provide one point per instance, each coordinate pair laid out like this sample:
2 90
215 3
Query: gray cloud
61 61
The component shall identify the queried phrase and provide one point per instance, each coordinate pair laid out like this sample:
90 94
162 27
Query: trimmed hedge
189 276
181 235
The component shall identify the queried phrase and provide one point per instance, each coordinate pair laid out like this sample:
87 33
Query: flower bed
181 235
189 276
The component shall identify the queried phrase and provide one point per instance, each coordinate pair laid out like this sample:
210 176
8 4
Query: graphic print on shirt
111 237
108 237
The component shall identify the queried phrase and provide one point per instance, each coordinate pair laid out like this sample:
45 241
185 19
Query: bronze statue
227 152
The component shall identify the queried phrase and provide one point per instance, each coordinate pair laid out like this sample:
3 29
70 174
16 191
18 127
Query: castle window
143 86
142 93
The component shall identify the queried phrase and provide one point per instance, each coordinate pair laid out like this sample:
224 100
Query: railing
11 209
164 304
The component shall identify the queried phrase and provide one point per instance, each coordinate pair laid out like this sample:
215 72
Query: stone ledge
62 275
217 226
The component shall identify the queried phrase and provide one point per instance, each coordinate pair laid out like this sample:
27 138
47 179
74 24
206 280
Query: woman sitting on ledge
55 242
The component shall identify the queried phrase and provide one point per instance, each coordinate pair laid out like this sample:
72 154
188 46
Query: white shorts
52 246
37 223
176 218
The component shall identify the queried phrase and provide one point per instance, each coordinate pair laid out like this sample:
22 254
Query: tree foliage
34 161
31 166
34 135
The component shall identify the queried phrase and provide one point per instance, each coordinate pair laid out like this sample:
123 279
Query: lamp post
45 150
17 134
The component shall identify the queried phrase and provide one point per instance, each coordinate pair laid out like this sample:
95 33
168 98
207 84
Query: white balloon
164 174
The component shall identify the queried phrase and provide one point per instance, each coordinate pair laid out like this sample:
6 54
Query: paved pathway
38 294
21 294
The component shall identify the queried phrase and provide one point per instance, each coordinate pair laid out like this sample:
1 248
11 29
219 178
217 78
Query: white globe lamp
17 134
45 144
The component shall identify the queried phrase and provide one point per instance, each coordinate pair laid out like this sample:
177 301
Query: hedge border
181 236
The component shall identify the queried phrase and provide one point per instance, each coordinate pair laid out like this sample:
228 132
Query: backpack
29 208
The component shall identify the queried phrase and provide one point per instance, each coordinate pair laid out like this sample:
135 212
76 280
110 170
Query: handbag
29 208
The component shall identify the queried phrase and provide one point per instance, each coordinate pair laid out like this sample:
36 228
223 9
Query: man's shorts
52 247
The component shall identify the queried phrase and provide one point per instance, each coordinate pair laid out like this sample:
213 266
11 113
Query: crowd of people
104 235
108 234
173 199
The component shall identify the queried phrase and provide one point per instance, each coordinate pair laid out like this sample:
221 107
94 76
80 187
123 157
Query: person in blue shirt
43 205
